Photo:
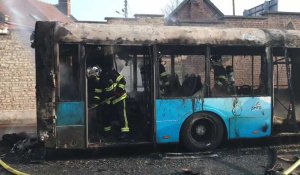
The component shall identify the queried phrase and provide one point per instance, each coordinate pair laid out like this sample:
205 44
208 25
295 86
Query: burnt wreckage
64 51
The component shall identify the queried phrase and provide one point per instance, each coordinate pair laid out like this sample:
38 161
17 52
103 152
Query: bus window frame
154 88
80 70
256 51
200 49
211 50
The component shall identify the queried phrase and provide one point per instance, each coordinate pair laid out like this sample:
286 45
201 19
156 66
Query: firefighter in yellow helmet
111 94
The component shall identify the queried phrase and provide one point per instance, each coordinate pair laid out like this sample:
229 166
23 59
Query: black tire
202 131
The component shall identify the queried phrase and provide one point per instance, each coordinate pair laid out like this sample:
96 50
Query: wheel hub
200 130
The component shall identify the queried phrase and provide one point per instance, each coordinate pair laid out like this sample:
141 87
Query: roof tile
24 13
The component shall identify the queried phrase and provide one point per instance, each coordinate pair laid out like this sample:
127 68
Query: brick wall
17 81
138 20
270 21
196 10
199 13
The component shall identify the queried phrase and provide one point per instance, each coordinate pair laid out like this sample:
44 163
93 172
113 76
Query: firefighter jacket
164 80
220 75
110 88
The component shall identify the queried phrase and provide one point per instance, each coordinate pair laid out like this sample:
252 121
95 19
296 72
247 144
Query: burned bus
221 83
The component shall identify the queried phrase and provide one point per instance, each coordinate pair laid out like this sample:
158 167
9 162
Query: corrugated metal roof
24 13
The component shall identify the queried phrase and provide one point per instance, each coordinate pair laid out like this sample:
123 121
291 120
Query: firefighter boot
124 136
108 137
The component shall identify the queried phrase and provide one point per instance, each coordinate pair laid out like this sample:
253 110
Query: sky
97 10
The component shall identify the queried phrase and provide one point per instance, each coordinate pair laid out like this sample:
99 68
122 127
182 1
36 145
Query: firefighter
219 70
163 79
92 74
102 98
111 94
119 104
220 76
230 80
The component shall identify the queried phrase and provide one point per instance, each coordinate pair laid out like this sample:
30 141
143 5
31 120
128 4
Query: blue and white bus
221 83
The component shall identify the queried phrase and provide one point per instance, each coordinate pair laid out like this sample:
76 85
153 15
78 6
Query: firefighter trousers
116 112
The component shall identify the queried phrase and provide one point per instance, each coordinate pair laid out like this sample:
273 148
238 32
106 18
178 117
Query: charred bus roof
112 34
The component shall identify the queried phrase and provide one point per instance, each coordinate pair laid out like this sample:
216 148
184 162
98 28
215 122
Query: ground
232 158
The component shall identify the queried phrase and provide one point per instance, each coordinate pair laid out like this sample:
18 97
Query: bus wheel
202 131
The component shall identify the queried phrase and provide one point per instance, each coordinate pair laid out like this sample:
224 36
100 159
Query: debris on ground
288 158
285 161
197 155
143 160
11 139
22 147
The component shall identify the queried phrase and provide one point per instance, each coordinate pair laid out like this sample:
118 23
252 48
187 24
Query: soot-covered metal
149 41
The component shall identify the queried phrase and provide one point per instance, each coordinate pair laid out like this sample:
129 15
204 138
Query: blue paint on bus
70 113
243 117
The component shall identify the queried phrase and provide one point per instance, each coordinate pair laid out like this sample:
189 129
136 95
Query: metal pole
277 76
232 61
269 72
252 72
126 9
135 73
233 7
154 89
207 70
173 65
291 92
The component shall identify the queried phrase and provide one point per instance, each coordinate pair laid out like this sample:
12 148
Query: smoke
23 24
121 64
69 82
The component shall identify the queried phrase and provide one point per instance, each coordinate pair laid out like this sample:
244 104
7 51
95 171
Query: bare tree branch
171 7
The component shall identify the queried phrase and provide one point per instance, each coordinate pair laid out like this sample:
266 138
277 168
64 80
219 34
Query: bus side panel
244 117
70 113
70 125
170 114
255 119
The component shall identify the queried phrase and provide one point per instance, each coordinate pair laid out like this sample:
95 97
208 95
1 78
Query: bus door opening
70 105
112 72
286 89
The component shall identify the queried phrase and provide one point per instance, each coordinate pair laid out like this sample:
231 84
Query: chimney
3 26
65 7
6 18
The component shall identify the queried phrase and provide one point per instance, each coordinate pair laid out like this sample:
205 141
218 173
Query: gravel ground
142 160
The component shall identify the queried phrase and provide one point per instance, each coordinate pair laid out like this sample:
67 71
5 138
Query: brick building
205 13
17 63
